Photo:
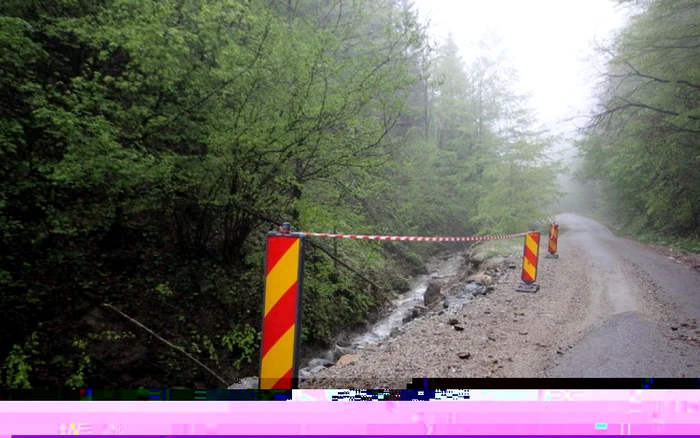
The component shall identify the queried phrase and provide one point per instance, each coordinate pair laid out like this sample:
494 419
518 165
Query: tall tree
642 141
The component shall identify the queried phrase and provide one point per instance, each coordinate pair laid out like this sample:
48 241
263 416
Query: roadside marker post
553 240
281 327
283 285
531 250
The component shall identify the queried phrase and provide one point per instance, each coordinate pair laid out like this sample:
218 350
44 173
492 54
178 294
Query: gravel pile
501 333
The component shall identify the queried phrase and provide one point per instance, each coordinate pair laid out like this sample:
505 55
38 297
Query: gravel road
645 306
608 307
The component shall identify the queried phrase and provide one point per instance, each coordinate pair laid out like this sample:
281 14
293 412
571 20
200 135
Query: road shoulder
502 334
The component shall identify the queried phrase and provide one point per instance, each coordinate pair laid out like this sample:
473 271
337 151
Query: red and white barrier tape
412 238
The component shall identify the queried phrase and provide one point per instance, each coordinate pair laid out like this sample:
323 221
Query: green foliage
163 291
483 167
201 344
77 378
642 143
17 367
109 335
147 147
242 339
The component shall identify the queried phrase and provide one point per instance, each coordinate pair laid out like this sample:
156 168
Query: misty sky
549 41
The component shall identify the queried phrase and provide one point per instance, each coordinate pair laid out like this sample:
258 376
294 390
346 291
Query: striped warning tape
412 238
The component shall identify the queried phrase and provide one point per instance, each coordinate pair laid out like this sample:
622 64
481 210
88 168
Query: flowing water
381 330
441 269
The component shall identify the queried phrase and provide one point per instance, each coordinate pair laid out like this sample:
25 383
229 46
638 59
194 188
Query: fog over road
607 307
637 298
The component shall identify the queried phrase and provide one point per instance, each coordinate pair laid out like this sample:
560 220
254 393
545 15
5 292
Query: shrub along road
608 307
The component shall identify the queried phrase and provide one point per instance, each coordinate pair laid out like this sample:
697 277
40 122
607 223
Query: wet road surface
641 302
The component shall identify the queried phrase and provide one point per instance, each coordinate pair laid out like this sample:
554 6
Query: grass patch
690 244
682 244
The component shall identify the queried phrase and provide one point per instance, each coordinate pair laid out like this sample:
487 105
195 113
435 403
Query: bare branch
664 81
175 347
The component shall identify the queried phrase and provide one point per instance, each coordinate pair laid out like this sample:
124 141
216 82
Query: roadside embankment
476 325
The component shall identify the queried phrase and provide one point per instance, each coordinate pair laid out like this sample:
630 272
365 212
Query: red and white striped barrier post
531 251
281 327
553 239
282 297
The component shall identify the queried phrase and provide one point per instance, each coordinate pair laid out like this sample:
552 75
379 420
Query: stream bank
452 282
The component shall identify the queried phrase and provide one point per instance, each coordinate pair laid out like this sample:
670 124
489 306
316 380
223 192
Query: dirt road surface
608 307
644 309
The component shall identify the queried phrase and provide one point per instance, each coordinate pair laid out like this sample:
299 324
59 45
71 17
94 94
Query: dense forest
641 149
147 146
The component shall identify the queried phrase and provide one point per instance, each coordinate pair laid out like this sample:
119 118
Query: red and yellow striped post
281 328
553 238
530 255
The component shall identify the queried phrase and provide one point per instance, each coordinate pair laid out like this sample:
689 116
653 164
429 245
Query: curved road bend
641 302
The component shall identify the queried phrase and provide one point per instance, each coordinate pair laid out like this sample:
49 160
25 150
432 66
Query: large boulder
475 289
457 301
432 294
418 311
336 353
481 277
319 361
246 383
348 358
317 369
494 263
478 255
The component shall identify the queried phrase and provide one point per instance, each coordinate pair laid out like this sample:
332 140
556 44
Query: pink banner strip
551 413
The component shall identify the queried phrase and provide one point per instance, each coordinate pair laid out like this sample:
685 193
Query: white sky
548 41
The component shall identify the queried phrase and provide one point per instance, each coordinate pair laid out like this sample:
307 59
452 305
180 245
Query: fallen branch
180 349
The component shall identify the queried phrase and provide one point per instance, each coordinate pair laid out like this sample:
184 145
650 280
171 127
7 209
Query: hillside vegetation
642 147
147 146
